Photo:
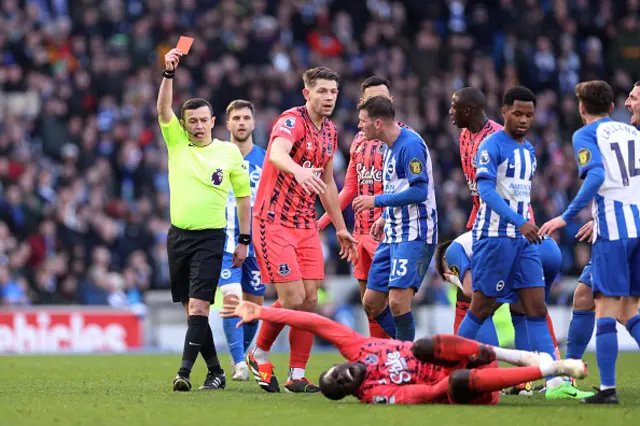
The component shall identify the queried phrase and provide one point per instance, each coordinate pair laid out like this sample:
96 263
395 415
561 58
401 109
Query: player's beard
635 119
239 138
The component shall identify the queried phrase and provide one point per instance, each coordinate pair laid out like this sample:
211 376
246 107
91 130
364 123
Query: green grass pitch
134 390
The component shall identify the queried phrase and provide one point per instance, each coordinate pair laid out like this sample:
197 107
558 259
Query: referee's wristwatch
244 239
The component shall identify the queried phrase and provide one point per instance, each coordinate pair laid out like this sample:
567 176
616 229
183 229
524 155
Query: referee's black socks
210 354
194 341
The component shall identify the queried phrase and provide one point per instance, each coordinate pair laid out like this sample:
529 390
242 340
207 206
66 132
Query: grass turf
136 390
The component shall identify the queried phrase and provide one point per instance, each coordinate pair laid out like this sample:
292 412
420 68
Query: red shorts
287 254
366 248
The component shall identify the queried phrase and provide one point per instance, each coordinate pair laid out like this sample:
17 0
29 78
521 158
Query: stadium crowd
83 168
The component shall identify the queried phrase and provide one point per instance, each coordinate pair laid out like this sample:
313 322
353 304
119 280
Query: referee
201 172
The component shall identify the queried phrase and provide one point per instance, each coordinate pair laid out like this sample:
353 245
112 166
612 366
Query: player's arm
414 163
280 157
486 175
165 94
405 394
242 191
591 170
346 195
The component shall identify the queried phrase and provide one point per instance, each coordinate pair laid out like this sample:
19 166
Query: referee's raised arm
165 94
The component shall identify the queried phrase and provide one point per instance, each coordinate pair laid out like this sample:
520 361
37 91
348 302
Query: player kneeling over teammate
440 369
453 262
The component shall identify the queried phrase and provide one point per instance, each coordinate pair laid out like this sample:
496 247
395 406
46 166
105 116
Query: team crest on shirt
284 269
484 157
500 285
415 166
584 156
290 122
225 274
455 270
371 359
216 177
329 149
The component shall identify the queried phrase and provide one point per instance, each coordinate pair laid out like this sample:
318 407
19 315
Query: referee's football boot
214 381
181 383
300 386
263 374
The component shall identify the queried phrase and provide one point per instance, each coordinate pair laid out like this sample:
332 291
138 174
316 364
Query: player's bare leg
375 330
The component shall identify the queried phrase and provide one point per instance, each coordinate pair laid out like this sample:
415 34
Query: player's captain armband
484 157
415 166
584 156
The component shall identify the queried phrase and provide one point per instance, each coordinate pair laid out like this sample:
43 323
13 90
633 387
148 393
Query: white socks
512 356
296 373
261 356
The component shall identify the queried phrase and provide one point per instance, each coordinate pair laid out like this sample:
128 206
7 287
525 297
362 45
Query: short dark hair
311 76
471 97
378 107
596 96
519 93
438 254
195 103
375 81
240 104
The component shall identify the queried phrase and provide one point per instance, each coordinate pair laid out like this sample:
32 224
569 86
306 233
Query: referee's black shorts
195 262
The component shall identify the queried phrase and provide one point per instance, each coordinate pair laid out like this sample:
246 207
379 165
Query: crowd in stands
83 167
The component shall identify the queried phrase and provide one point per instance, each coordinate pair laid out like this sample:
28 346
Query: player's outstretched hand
364 202
347 245
378 229
551 226
246 311
586 231
310 180
239 255
172 59
530 232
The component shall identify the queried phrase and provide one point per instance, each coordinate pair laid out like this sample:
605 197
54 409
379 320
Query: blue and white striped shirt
253 161
511 166
405 162
614 146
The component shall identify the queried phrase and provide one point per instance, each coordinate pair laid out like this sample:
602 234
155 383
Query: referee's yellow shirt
200 179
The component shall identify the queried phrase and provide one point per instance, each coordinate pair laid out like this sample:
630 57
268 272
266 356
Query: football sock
461 311
539 335
606 351
268 334
495 379
300 343
296 373
405 327
209 352
375 330
193 341
580 332
249 332
385 319
470 326
521 333
487 333
633 325
235 338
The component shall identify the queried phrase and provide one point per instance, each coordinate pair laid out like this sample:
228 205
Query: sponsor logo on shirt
397 364
367 176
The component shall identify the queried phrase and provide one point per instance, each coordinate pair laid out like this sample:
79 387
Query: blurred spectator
83 175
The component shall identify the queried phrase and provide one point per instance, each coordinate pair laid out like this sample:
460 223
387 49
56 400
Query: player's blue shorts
248 275
399 265
501 265
585 277
615 267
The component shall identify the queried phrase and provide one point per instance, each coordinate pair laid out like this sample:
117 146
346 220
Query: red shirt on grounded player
280 199
393 372
364 177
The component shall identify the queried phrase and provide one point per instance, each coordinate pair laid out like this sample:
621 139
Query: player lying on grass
453 262
440 369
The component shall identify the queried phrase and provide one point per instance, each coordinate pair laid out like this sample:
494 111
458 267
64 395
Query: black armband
168 74
244 239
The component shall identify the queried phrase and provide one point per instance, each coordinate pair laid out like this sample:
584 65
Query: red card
184 44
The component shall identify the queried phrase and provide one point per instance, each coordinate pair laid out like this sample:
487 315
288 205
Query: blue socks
249 330
633 325
470 326
580 332
405 327
540 337
607 350
235 338
519 322
386 321
487 333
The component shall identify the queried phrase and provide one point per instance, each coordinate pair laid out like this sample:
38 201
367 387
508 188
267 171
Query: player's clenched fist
172 59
